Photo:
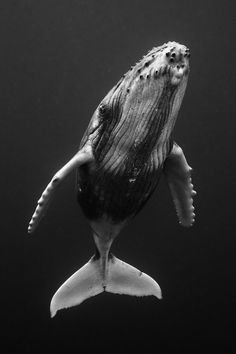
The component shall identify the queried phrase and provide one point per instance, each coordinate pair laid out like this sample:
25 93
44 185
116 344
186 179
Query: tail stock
96 276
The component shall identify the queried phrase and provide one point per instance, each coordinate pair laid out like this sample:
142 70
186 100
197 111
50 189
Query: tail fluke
83 284
114 276
127 280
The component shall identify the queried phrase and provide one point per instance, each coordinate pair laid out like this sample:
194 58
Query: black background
58 59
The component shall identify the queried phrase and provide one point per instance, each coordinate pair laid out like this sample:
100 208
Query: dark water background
58 59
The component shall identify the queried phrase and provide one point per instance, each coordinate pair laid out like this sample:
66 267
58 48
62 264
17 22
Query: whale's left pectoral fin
178 175
83 156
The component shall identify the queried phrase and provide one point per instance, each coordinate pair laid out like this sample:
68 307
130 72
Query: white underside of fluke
126 279
91 280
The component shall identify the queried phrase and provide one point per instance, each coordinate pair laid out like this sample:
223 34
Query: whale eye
104 111
102 108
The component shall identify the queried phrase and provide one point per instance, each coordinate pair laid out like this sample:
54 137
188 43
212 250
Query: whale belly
117 193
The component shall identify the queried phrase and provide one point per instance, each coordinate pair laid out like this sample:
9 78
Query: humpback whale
127 146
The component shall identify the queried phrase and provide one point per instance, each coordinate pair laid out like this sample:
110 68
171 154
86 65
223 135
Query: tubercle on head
170 60
177 58
172 55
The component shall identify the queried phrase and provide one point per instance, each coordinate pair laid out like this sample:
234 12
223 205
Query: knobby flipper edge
83 156
178 175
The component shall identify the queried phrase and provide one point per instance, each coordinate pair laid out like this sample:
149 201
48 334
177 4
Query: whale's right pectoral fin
83 156
178 175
